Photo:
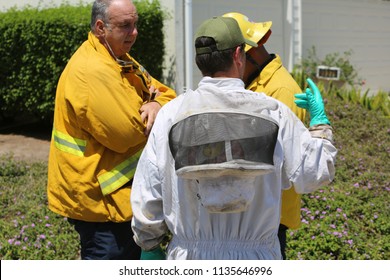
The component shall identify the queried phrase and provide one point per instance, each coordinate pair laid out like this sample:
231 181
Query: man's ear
100 28
239 56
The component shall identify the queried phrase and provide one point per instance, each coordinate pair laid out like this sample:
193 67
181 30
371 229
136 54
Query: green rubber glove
312 101
155 254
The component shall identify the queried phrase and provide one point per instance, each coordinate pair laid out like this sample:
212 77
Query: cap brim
261 28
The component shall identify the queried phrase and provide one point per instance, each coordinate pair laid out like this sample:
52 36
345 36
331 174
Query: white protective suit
162 201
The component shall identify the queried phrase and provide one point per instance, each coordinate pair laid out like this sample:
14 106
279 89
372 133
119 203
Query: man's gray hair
99 12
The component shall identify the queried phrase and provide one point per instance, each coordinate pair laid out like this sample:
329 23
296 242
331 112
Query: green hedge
35 46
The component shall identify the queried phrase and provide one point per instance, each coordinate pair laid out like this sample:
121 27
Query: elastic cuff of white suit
322 131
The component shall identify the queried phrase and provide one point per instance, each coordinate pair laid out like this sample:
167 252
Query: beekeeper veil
224 148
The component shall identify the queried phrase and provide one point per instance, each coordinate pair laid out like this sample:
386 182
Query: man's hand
149 110
154 92
148 113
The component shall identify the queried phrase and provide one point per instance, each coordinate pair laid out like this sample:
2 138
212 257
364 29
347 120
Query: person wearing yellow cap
264 72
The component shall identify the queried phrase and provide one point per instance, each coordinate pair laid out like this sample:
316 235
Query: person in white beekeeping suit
218 158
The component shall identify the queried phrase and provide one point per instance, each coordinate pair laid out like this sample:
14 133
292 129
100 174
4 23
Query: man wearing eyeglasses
106 104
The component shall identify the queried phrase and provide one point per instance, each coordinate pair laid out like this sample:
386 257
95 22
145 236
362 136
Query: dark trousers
282 233
106 241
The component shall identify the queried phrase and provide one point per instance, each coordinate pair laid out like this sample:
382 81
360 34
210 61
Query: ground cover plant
29 230
350 219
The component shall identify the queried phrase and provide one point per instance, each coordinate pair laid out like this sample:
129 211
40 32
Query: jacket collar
99 47
267 72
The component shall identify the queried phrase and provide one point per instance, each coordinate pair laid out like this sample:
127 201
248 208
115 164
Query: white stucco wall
268 10
362 26
174 43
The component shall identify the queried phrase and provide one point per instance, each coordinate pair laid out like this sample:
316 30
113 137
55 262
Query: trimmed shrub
35 46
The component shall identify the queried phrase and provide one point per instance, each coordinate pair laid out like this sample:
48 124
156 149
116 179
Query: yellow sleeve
110 112
167 94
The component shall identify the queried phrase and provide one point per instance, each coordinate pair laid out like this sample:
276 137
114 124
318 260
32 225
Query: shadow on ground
28 141
33 129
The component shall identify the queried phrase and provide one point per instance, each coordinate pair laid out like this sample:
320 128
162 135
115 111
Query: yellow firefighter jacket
98 134
275 81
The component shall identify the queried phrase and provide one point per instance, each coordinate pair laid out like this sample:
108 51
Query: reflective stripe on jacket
109 181
69 144
119 175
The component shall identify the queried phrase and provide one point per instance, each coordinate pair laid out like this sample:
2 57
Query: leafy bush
35 46
149 49
34 50
378 102
348 73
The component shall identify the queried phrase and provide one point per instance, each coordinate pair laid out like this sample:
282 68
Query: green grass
29 230
350 219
